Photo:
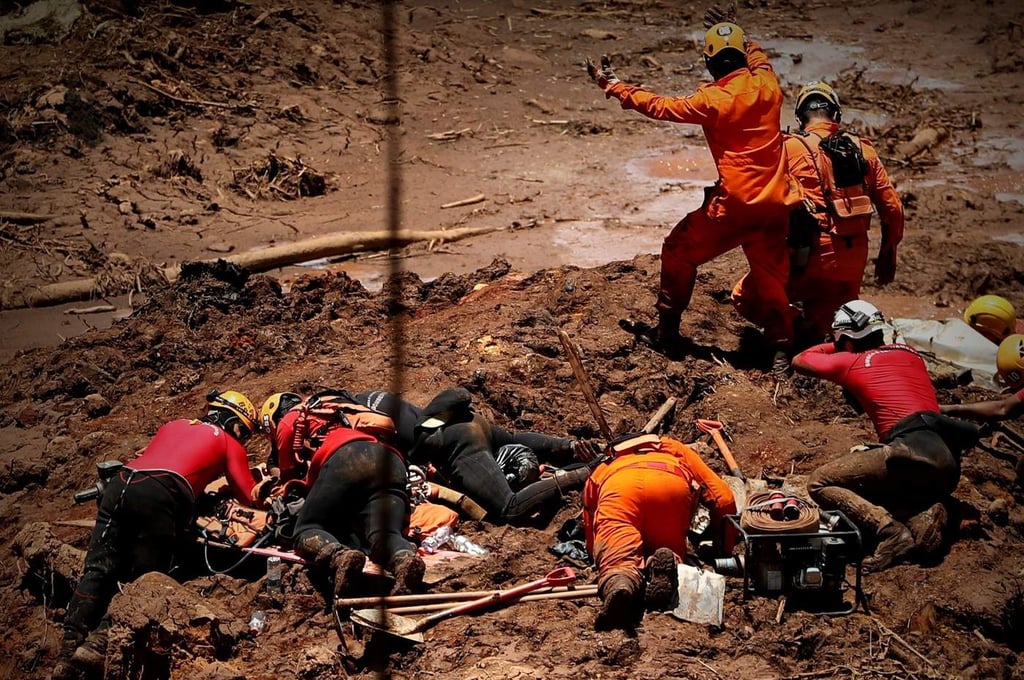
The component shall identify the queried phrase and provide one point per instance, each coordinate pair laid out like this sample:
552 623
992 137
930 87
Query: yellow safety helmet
1010 361
992 316
818 95
275 406
721 37
225 406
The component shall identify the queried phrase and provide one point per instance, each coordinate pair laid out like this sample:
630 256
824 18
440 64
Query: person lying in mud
917 465
146 510
464 447
637 509
354 485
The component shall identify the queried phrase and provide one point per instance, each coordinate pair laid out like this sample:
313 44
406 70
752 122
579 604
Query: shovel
714 428
411 629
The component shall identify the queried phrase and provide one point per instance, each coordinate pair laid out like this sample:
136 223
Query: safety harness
333 409
843 187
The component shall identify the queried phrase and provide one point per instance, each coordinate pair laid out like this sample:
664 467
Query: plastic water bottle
256 623
432 543
464 545
274 572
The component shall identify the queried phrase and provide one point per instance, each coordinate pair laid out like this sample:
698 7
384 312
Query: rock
999 512
25 466
96 405
318 661
218 670
60 450
45 21
95 443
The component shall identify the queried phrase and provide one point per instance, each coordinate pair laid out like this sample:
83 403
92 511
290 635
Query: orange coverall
640 502
836 264
749 204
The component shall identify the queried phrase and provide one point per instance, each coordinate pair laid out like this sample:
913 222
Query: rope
757 517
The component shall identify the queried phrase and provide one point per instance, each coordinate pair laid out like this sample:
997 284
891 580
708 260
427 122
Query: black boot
894 543
618 603
662 580
928 528
408 568
348 570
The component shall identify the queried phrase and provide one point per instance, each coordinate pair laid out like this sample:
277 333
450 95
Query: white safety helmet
856 319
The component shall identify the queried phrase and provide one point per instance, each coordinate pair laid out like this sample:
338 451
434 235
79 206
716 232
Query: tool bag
847 203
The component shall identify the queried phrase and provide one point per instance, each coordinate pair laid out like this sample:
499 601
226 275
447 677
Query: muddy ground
103 131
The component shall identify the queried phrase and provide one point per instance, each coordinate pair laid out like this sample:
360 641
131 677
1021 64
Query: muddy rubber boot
64 669
408 568
662 580
928 528
348 570
618 603
894 542
91 655
663 338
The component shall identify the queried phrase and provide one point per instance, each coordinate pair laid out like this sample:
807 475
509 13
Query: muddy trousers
638 511
892 482
714 229
359 500
831 278
463 453
142 518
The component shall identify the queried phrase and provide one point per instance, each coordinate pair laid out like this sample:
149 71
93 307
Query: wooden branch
24 217
659 415
479 198
97 309
891 633
193 102
923 140
255 261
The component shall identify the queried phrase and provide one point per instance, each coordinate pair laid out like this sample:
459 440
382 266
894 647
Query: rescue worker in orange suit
637 509
356 497
747 207
829 232
893 491
147 509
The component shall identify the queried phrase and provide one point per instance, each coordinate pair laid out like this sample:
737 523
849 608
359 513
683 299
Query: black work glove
585 450
603 76
716 14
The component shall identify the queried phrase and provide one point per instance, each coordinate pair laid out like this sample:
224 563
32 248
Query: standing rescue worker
916 466
146 510
748 206
462 444
637 510
356 494
841 177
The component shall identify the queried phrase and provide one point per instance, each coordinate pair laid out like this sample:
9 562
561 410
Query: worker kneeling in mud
893 491
147 508
354 484
464 446
637 510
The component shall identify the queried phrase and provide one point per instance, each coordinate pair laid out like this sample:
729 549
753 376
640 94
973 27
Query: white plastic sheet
701 596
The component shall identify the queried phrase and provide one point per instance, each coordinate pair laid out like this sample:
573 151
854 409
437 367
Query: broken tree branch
24 217
659 415
255 261
479 198
192 102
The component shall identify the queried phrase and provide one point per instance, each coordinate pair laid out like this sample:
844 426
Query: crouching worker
356 499
465 447
893 491
637 509
147 509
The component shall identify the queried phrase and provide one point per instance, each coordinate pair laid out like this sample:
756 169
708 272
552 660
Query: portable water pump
808 567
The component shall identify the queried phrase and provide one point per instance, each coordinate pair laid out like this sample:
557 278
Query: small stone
96 405
999 512
125 207
61 449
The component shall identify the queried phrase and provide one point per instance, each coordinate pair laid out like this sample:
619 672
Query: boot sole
662 580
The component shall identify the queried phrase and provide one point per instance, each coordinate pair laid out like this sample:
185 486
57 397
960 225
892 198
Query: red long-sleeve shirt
200 453
890 382
740 115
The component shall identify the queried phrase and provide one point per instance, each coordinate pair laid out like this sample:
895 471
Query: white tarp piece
43 21
701 596
954 343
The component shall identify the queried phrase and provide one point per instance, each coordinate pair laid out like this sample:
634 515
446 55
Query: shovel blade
701 596
392 624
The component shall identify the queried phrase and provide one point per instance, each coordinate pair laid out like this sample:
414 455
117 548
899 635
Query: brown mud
105 131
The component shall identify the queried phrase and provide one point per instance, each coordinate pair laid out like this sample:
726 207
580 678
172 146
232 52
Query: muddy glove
586 451
261 492
604 76
885 267
716 14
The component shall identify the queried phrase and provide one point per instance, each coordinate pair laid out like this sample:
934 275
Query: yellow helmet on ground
818 95
721 37
275 406
1010 361
992 316
225 406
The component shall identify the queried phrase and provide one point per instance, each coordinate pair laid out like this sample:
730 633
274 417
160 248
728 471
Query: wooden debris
479 198
540 105
449 135
24 217
598 34
96 309
659 415
923 140
191 102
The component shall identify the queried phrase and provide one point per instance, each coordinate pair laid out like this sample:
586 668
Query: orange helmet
992 316
1010 361
723 36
